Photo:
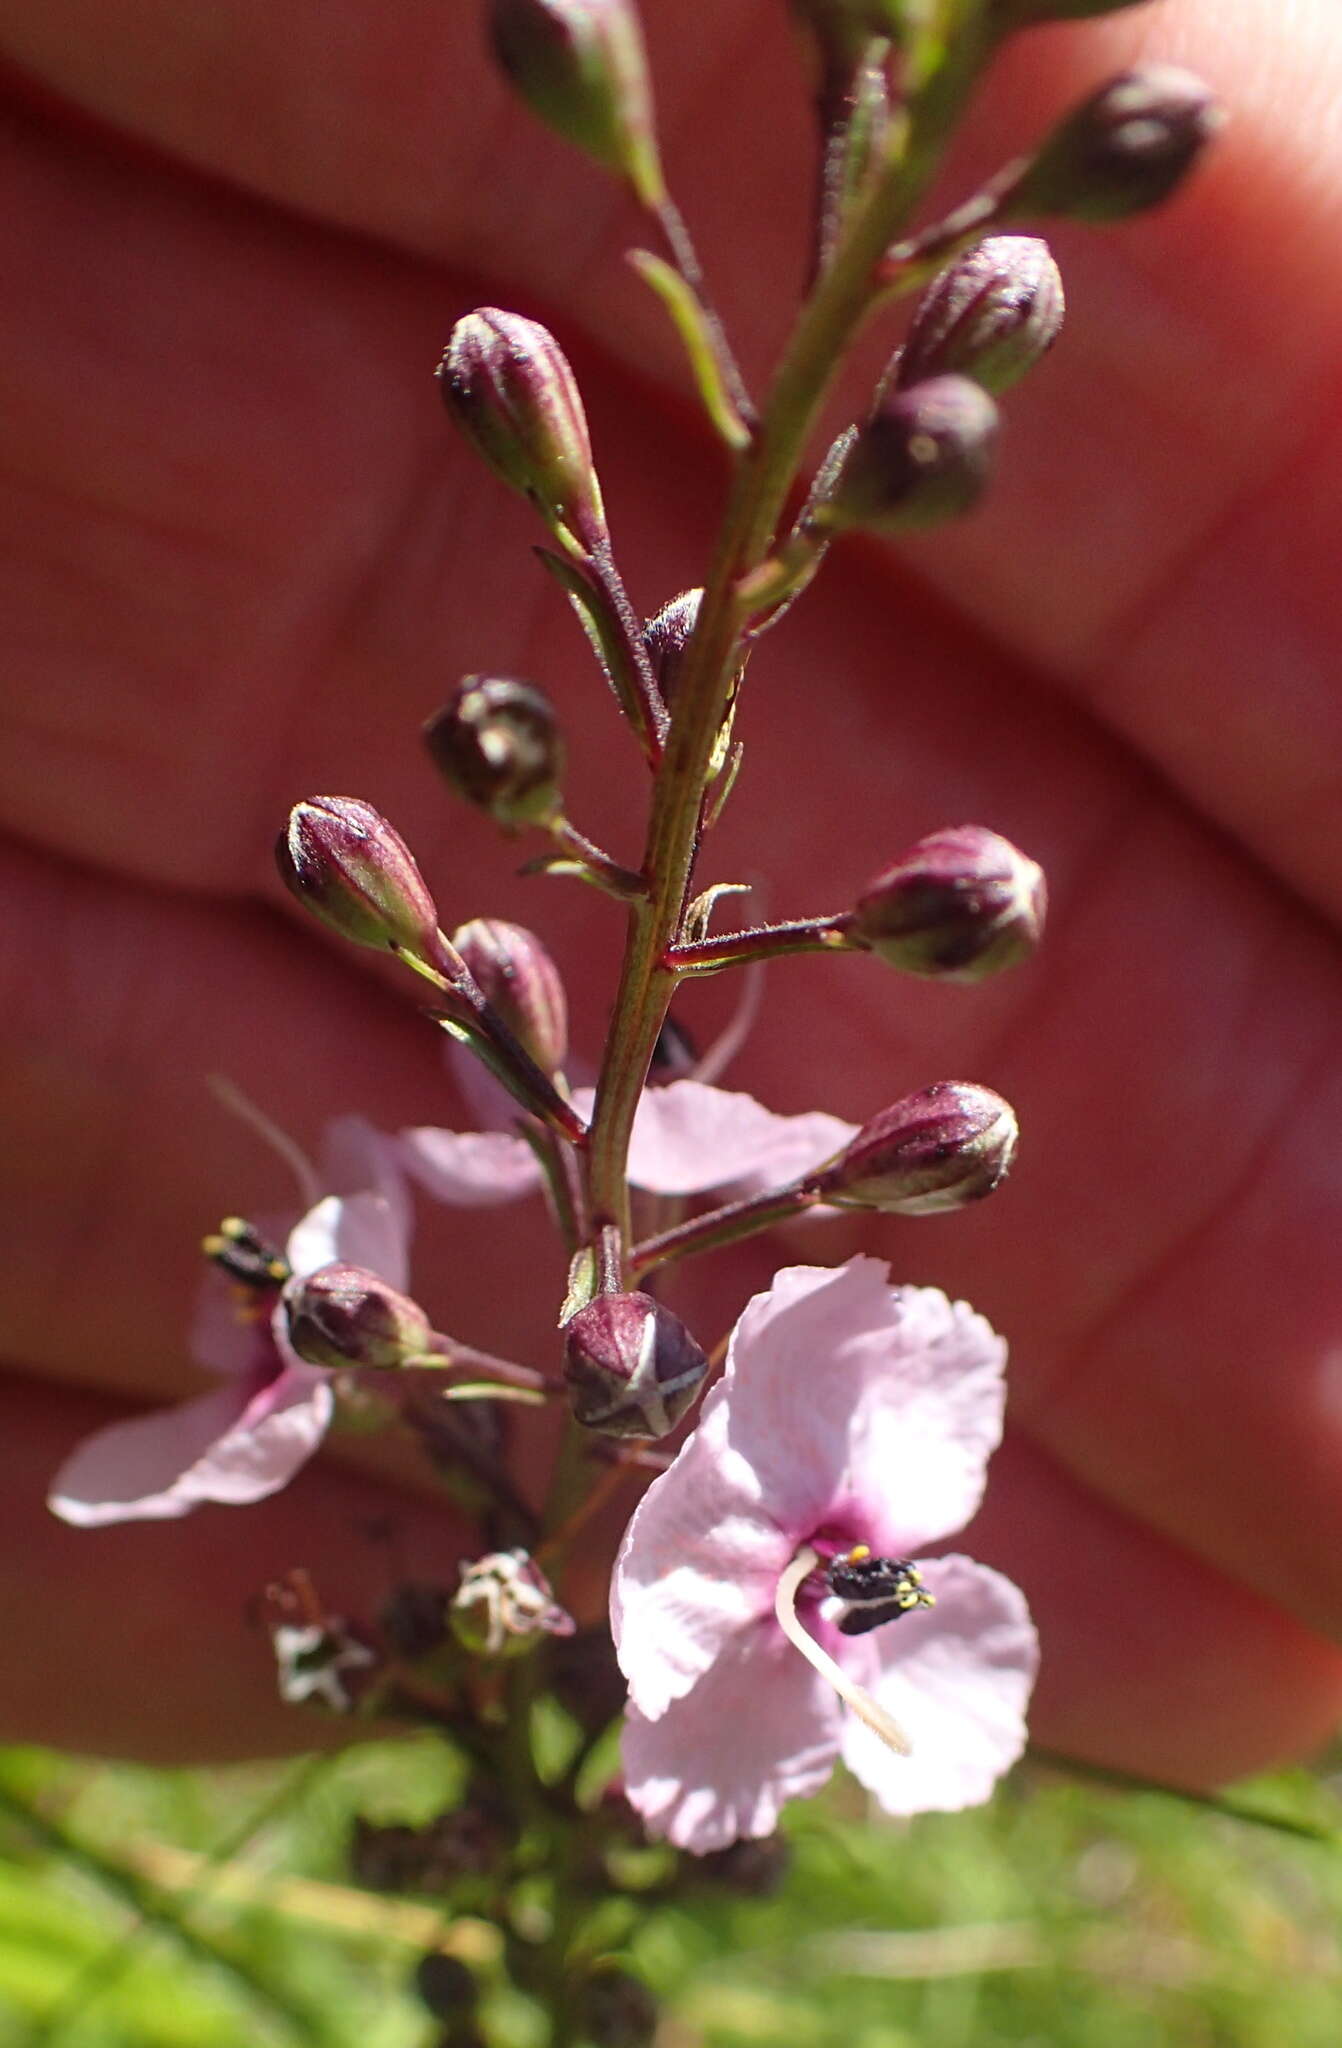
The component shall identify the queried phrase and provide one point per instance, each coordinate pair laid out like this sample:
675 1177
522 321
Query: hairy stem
829 321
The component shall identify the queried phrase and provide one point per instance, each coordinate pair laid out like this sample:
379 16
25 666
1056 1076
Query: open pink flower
687 1139
854 1422
247 1438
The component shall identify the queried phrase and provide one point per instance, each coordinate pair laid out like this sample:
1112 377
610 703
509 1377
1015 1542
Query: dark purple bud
499 746
667 635
521 982
618 2011
580 66
756 1867
990 315
923 457
508 386
344 1316
345 864
632 1368
1124 149
940 1149
505 1604
446 1985
963 903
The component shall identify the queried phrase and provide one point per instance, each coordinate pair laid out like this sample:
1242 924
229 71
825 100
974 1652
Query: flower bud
1123 149
923 457
940 1149
632 1368
498 745
508 386
990 315
618 2011
345 864
963 903
505 1604
446 1985
580 66
344 1316
667 635
521 982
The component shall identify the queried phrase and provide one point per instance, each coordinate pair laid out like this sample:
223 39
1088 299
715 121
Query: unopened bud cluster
520 982
350 868
990 315
923 457
1124 149
961 904
632 1368
935 1151
346 1316
507 384
498 745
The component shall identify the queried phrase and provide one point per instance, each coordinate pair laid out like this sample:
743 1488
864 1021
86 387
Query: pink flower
247 1438
687 1138
852 1427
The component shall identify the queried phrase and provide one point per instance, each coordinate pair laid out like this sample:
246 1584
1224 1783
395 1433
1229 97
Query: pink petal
957 1677
760 1728
688 1137
698 1564
223 1337
470 1169
221 1447
868 1412
358 1158
352 1230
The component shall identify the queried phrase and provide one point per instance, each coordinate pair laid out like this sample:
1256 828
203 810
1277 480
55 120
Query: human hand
245 557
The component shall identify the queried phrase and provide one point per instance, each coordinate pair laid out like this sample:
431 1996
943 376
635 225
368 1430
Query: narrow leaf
692 325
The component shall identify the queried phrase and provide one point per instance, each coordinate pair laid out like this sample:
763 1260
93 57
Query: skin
243 557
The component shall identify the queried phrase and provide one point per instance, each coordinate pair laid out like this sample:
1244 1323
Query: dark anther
241 1252
877 1589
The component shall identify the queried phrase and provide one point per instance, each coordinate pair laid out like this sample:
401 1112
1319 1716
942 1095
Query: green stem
831 318
720 1227
763 942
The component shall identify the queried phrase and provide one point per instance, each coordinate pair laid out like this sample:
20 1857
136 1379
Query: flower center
850 1692
255 1267
874 1589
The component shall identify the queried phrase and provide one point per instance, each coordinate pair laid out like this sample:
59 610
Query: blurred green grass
1066 1915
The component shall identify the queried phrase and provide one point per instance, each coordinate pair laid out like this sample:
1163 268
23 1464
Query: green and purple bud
990 315
343 1316
938 1150
498 744
961 904
504 1605
347 865
923 457
507 384
1124 149
666 636
581 67
632 1368
521 983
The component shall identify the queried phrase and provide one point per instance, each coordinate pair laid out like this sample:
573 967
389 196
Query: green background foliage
144 1909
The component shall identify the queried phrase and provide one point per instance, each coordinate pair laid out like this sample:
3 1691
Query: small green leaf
691 323
582 1283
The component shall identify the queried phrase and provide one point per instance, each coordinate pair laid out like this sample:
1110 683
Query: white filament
852 1694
